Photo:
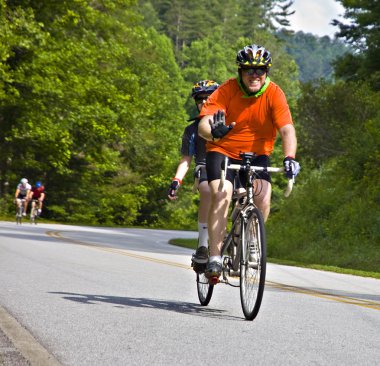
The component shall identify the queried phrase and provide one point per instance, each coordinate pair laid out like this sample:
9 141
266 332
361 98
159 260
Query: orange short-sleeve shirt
257 118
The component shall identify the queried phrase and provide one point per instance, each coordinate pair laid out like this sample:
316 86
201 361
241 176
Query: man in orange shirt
244 115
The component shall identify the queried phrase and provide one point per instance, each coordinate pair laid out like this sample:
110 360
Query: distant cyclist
22 193
194 146
37 194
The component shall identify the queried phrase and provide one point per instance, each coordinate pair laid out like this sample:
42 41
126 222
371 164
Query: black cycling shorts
214 161
201 174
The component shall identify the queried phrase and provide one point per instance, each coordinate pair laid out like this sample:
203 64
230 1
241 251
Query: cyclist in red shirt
244 115
38 194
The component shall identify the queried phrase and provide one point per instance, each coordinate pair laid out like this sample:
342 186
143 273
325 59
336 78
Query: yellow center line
326 295
57 235
301 290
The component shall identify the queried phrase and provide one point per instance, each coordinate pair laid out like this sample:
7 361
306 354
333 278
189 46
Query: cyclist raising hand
194 146
244 115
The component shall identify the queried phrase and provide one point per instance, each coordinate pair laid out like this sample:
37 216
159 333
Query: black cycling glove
292 167
173 188
218 126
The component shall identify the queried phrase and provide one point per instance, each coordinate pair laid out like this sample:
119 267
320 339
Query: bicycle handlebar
288 189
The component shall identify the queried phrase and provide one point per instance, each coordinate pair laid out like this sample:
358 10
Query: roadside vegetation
94 96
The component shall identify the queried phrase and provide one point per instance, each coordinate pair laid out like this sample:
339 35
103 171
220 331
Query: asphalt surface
101 296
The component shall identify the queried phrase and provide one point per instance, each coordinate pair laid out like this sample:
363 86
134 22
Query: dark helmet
204 87
254 55
38 184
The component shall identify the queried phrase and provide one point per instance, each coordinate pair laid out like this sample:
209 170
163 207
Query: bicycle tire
19 215
253 266
33 217
204 289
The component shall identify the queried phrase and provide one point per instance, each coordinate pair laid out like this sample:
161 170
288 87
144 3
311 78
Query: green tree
90 105
363 33
188 21
329 114
314 55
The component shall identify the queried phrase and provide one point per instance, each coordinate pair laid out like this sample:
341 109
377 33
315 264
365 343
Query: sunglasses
252 71
200 99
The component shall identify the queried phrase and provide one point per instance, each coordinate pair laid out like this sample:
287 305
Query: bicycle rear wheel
204 289
253 265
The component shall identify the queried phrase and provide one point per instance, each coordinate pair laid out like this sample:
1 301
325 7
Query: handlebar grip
223 175
222 181
289 188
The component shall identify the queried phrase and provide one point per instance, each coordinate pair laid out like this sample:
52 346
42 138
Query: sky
314 16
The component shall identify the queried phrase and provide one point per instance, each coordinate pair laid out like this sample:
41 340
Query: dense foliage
333 216
314 55
361 29
88 100
94 96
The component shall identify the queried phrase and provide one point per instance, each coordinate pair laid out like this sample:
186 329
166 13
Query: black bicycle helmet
254 56
204 87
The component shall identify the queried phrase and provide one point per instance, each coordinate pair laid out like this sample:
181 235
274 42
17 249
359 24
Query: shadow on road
138 302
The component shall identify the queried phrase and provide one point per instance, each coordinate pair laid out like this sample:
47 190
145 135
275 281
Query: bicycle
244 247
20 211
34 211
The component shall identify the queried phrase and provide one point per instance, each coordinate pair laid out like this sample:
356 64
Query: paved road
95 296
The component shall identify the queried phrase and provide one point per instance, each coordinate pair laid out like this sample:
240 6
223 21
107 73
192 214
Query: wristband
289 156
177 180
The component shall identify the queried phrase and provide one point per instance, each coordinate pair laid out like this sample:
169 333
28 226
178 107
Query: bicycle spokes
253 265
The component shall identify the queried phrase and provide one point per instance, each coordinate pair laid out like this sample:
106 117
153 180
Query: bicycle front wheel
19 216
33 218
204 288
253 265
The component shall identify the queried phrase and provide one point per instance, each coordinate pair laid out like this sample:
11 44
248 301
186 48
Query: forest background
94 97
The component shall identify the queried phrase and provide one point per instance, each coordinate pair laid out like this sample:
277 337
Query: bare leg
217 220
203 209
205 200
263 192
32 208
18 203
25 205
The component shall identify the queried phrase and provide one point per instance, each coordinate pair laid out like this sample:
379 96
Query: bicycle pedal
213 280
